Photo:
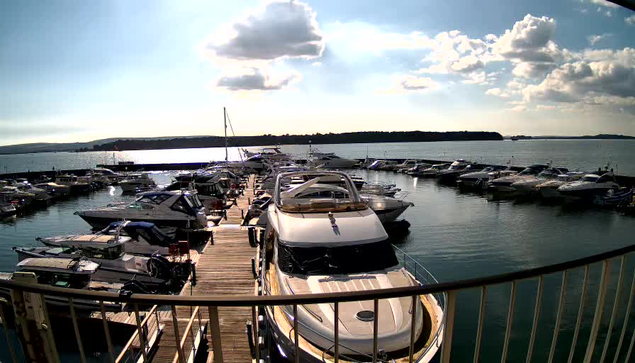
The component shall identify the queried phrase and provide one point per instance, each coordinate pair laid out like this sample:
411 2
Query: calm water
456 236
574 154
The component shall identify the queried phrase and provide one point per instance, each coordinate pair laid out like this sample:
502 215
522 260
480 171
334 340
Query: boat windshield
590 178
336 260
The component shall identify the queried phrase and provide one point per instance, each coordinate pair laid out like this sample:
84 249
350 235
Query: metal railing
602 342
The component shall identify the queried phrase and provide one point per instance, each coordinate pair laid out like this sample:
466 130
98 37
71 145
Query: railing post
214 328
448 328
111 350
627 315
296 335
3 303
375 328
336 330
618 294
78 336
585 286
34 330
479 329
177 335
142 340
556 328
534 328
599 309
510 320
413 328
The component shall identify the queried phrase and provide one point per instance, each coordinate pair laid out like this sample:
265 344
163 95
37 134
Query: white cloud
605 3
255 80
611 75
497 92
279 30
518 109
630 20
532 69
410 83
594 39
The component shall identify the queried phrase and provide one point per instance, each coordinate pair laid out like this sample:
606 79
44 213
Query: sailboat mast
225 120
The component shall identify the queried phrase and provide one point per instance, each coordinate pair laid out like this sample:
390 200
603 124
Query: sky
84 70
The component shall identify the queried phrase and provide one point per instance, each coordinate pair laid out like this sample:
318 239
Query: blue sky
77 71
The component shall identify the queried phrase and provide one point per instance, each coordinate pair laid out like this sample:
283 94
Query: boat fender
253 268
251 232
250 339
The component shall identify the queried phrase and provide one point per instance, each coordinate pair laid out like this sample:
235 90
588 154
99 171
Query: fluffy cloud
611 75
630 20
255 80
251 45
455 53
279 30
594 39
497 92
411 83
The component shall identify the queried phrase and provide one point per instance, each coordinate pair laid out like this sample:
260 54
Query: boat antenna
225 122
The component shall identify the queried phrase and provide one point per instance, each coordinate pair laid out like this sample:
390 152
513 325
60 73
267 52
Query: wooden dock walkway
223 268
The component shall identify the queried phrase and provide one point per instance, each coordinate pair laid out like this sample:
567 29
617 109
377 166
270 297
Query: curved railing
448 288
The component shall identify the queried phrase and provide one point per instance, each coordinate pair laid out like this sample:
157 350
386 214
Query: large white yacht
528 185
590 186
318 242
479 179
164 209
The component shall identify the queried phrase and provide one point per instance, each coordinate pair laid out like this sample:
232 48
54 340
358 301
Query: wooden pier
223 268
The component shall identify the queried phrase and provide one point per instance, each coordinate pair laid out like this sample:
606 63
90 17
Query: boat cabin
60 272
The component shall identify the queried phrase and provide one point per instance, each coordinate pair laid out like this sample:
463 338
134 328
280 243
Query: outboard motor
136 287
159 267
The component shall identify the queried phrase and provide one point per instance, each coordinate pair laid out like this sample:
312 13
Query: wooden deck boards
223 268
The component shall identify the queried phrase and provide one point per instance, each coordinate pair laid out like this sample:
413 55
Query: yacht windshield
590 178
336 260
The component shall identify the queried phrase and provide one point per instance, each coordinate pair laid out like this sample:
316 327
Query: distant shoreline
185 142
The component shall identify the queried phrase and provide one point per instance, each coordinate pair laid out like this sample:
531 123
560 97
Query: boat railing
424 277
591 334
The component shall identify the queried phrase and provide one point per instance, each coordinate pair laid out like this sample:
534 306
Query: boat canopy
146 230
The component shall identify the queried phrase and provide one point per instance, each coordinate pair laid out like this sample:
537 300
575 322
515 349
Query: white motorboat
388 209
549 188
321 242
7 209
458 167
504 184
66 273
164 209
432 171
151 274
419 167
331 161
139 238
479 179
590 186
404 166
57 191
137 182
273 153
40 195
528 185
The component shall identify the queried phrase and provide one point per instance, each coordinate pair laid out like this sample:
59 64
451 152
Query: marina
224 266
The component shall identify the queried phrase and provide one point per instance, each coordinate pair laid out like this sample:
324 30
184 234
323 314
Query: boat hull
101 222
